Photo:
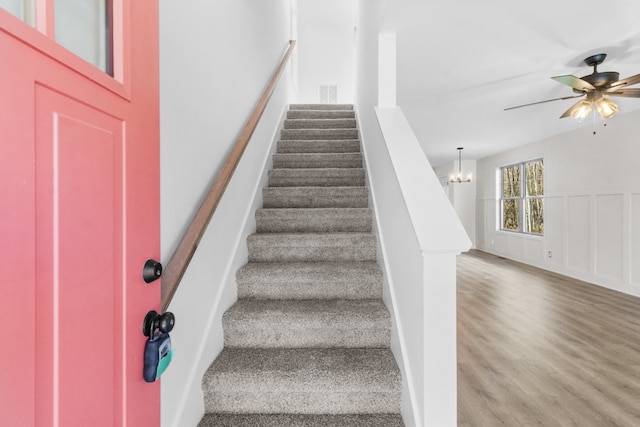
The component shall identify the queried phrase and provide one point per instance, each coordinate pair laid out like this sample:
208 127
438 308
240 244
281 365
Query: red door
79 216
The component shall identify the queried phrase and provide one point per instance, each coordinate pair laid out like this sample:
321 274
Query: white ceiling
461 62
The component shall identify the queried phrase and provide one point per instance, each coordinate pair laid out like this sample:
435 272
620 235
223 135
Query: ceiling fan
597 87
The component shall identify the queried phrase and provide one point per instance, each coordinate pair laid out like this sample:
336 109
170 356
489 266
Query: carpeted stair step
321 107
317 160
307 342
307 323
315 197
321 114
320 123
319 134
309 280
303 381
316 177
325 247
313 220
295 420
318 146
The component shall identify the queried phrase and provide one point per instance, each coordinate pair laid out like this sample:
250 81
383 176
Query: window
521 197
22 9
84 27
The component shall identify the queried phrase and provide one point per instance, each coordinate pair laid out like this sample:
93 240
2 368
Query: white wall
462 195
326 48
592 205
215 60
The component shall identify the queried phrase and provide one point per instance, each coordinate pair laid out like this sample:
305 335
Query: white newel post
440 357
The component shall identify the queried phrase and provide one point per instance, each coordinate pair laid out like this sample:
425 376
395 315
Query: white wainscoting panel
480 219
634 250
501 242
609 248
516 246
534 249
579 232
554 223
490 223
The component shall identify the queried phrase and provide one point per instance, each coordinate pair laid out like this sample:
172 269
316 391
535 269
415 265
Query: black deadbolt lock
151 271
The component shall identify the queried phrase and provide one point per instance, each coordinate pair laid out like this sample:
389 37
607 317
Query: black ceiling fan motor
599 79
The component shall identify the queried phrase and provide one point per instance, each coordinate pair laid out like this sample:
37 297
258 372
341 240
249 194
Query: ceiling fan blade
629 81
542 102
574 82
626 93
571 109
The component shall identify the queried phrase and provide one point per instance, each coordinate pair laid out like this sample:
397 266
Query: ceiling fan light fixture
606 107
598 87
582 110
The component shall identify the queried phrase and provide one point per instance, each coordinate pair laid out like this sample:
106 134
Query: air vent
328 94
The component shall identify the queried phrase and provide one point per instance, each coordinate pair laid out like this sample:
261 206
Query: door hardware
151 271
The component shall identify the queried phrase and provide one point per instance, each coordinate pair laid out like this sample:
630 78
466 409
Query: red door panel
79 215
79 198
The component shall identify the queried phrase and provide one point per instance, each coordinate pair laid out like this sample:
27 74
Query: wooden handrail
177 265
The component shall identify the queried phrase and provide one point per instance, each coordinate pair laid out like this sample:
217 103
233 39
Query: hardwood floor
539 349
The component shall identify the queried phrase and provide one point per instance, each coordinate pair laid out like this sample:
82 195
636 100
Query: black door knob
153 320
151 271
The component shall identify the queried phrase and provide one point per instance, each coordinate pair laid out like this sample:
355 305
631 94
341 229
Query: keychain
157 350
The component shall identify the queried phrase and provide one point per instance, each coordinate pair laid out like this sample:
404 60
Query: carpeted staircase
307 342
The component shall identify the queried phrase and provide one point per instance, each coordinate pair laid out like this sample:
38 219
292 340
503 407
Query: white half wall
425 305
592 216
370 14
216 59
419 234
326 48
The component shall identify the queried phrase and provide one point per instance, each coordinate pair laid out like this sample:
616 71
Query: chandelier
460 176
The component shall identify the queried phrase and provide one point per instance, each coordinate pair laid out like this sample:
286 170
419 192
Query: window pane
534 216
511 215
511 181
84 27
534 176
23 9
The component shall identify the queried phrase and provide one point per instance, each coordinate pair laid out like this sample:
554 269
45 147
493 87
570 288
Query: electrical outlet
549 254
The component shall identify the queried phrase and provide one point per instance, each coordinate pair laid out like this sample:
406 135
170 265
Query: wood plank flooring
539 349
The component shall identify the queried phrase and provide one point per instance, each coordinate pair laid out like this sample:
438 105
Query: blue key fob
157 356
